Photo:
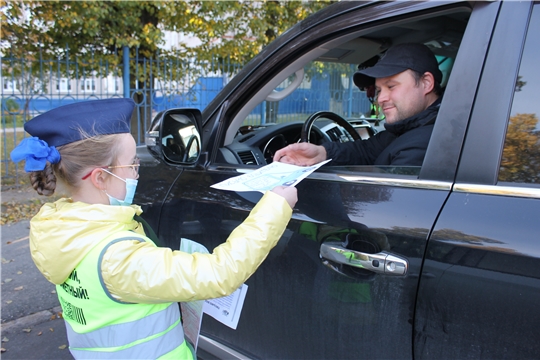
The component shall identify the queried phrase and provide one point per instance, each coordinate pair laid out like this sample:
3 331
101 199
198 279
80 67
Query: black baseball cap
398 58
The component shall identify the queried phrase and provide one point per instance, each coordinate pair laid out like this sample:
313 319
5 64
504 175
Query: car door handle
381 262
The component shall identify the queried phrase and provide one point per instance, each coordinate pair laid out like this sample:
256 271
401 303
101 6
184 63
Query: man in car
407 82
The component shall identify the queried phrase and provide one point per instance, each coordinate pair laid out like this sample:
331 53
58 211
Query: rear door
480 285
304 302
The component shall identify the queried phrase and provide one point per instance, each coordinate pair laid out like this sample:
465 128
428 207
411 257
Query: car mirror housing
175 136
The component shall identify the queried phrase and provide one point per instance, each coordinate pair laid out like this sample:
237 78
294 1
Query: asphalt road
32 327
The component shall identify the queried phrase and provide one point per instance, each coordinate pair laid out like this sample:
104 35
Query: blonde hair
75 158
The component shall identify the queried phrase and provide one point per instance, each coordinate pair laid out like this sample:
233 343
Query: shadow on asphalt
47 340
31 328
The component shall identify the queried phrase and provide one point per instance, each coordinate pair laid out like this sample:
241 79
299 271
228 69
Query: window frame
482 150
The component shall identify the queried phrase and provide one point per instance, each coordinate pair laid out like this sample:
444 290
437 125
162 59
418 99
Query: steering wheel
308 124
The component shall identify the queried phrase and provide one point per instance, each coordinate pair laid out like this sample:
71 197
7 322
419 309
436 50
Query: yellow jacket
63 232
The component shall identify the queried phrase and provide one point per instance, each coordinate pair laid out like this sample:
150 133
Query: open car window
265 124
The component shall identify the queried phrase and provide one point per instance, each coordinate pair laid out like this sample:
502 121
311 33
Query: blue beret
62 125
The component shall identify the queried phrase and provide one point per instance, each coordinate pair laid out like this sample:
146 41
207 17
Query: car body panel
346 310
479 284
480 281
443 153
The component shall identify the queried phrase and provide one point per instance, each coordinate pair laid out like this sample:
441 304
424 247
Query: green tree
95 30
244 27
87 29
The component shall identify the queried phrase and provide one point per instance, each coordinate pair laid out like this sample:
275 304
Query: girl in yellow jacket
117 289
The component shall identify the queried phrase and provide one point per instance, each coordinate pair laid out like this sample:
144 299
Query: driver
407 81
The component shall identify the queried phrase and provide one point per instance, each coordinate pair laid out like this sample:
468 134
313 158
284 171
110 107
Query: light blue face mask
131 186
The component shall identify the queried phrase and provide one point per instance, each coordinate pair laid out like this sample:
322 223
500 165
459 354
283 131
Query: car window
521 154
327 86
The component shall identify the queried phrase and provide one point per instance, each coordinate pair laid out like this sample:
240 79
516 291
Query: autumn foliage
521 156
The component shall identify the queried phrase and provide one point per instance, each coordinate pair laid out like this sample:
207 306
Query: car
447 254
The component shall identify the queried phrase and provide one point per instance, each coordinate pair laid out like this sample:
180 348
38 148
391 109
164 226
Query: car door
306 301
479 289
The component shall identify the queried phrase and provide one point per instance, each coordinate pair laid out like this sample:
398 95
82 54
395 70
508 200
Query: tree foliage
521 159
244 27
95 30
86 29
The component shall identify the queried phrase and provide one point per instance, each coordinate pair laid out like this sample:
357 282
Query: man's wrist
326 151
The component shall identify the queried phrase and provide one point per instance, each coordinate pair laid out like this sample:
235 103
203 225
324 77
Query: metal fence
31 87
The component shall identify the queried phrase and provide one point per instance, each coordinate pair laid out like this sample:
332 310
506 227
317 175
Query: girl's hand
288 192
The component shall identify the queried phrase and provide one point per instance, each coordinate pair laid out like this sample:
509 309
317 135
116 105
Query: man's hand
301 154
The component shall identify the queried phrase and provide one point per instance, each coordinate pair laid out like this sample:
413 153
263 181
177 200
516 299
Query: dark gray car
447 255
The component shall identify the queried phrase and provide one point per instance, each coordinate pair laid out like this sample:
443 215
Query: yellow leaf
18 288
62 347
26 330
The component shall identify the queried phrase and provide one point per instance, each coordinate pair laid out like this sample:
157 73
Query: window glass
325 87
521 155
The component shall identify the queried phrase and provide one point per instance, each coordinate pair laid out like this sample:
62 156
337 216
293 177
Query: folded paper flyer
268 177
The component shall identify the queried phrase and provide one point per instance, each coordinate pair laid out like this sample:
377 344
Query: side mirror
175 136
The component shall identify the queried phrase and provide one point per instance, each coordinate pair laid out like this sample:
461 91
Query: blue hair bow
36 152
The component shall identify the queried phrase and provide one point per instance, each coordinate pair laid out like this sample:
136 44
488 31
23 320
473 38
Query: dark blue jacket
402 144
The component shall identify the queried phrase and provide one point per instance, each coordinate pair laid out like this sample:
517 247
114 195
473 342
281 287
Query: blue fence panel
319 96
198 96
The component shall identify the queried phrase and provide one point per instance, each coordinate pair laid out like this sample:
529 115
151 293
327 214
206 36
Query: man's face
400 97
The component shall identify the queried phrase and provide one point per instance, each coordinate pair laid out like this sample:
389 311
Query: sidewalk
11 129
24 194
32 327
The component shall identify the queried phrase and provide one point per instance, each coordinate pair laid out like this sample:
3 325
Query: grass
11 173
8 119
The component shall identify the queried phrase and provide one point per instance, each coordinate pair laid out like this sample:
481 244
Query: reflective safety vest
100 327
375 110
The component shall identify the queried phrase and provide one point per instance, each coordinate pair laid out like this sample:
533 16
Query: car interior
251 141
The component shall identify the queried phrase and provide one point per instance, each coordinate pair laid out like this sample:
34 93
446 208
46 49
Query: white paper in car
268 177
227 309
